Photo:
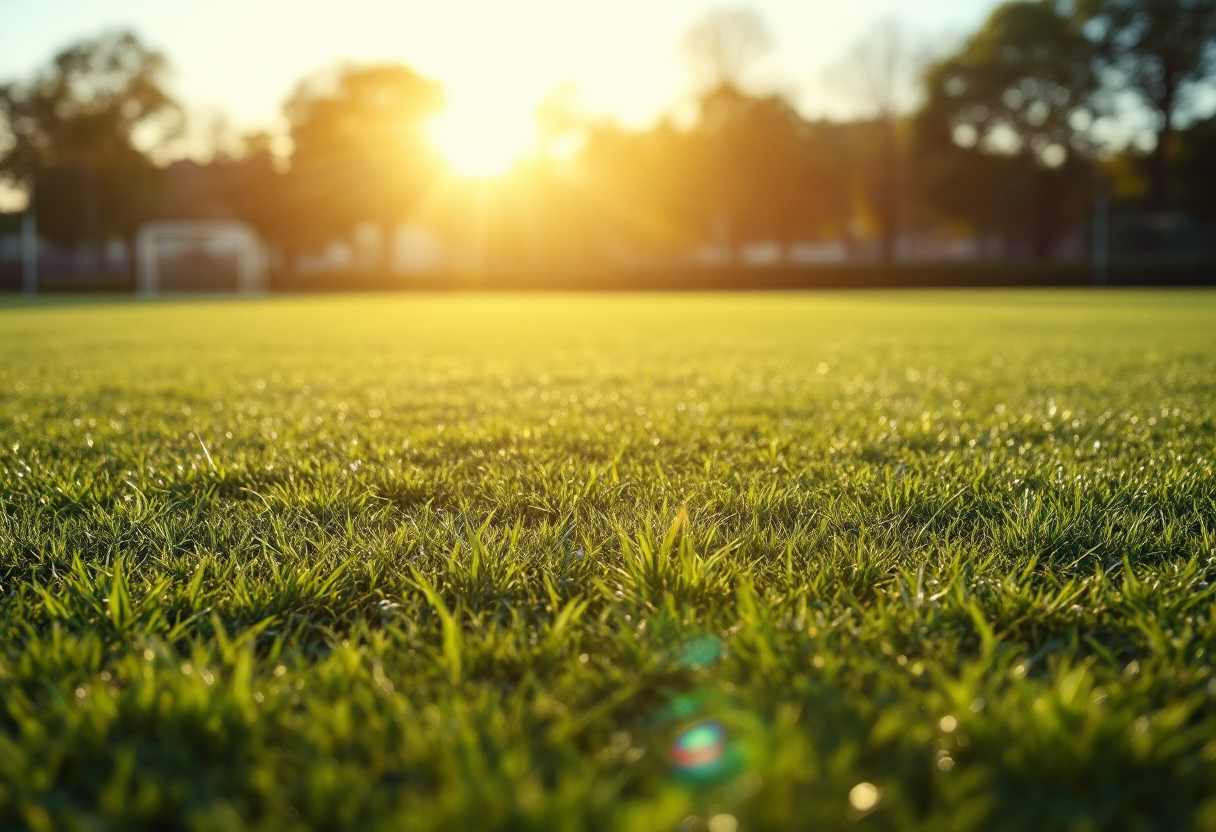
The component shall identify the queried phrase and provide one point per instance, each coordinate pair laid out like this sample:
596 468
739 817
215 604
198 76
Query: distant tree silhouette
723 47
998 139
642 187
759 176
73 137
1161 50
245 182
361 151
749 170
255 185
751 165
882 71
1194 168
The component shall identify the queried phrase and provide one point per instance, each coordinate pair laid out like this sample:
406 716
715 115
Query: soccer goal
199 256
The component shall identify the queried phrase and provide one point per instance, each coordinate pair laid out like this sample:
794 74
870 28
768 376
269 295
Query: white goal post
166 238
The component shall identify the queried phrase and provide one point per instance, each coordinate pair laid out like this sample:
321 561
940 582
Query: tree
643 188
1161 50
758 176
751 171
361 151
1194 168
255 188
73 130
723 47
243 180
882 71
1001 135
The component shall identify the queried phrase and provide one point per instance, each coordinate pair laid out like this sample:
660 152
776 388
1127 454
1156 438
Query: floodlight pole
29 247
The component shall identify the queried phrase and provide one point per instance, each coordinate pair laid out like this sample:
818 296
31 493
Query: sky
497 59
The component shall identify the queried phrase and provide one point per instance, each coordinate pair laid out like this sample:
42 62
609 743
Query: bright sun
480 143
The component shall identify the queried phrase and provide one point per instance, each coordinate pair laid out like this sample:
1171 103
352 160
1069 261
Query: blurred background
605 143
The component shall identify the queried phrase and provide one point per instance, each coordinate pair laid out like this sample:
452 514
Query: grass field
888 561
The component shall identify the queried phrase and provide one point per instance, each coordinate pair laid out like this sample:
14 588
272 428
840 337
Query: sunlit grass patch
903 560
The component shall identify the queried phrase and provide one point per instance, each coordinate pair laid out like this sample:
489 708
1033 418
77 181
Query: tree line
1012 139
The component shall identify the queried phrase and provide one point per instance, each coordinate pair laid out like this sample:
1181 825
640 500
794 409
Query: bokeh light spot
864 797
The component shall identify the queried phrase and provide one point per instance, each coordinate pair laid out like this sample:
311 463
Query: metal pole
146 278
1101 237
29 248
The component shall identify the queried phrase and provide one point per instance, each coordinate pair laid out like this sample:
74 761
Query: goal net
198 256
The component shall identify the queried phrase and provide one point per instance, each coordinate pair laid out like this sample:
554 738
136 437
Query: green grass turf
475 562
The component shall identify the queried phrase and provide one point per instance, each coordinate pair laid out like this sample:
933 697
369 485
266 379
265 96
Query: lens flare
701 651
481 142
699 752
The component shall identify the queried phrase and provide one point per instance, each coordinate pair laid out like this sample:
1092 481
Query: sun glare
480 143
